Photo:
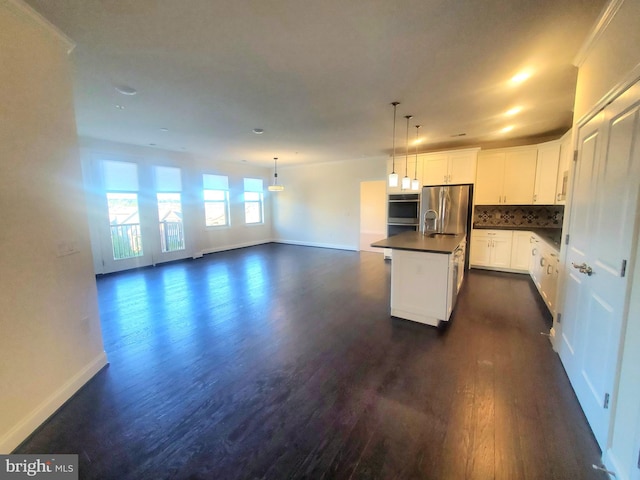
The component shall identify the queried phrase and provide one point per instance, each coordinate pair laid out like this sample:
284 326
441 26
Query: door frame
615 95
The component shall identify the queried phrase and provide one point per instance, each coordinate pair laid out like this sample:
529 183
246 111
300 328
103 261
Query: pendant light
393 176
275 187
406 181
415 183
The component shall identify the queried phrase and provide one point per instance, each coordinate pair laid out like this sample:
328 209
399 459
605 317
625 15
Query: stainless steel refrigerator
446 209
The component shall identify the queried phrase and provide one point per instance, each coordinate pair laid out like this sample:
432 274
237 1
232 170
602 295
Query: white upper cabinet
566 155
435 169
450 167
489 179
519 176
506 176
547 173
462 166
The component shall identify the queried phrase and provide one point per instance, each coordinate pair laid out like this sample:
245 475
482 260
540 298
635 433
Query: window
121 185
216 200
170 218
124 219
253 211
168 188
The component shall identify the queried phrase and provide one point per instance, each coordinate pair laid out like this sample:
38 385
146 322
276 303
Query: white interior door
603 214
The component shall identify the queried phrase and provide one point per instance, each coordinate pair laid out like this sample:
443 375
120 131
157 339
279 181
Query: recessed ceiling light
163 129
258 131
507 129
152 144
125 90
120 107
458 135
520 76
513 111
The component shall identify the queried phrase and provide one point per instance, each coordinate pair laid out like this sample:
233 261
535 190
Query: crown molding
607 14
25 12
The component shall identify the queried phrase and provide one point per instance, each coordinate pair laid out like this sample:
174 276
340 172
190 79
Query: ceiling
319 77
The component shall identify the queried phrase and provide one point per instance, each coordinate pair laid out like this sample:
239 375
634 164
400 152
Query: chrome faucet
430 223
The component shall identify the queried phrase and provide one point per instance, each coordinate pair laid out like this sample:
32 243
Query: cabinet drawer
495 234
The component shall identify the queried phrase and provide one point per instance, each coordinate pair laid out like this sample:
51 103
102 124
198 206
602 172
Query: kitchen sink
436 235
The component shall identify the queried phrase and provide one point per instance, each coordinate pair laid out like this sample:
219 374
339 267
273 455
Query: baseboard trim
224 248
499 269
25 427
318 245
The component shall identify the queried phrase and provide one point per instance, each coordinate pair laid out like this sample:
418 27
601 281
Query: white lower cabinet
422 286
491 248
507 250
544 269
521 251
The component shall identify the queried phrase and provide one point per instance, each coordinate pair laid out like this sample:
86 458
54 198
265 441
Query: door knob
583 268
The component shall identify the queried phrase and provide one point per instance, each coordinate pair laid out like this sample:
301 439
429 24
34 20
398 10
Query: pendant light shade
415 183
393 176
406 181
275 187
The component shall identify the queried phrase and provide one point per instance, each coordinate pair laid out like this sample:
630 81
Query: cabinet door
435 169
489 179
480 254
519 177
546 174
545 277
501 252
553 270
462 167
566 155
521 251
535 267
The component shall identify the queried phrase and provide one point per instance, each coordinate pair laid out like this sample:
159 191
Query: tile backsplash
518 216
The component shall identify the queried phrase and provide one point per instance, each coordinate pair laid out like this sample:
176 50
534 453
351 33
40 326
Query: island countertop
417 242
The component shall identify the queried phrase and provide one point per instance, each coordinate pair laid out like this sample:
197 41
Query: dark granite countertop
418 242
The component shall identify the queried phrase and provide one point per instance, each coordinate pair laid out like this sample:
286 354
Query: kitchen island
426 274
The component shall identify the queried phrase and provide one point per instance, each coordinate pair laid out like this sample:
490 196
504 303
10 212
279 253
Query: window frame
212 181
253 186
260 202
225 205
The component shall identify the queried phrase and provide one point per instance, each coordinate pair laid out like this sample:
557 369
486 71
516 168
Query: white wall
612 62
320 205
199 239
612 59
51 342
373 214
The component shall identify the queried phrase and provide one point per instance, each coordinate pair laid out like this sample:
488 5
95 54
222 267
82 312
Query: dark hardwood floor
281 362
